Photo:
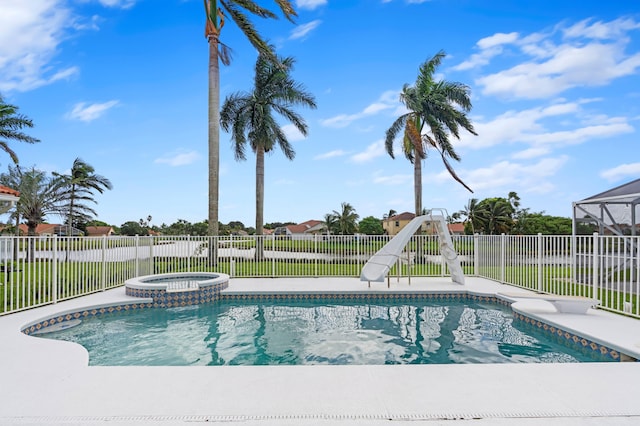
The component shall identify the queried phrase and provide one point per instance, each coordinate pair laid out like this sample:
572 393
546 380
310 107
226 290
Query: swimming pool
321 330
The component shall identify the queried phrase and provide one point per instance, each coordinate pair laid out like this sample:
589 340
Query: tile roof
9 191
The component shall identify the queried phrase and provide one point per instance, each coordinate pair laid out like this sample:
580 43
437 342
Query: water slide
378 266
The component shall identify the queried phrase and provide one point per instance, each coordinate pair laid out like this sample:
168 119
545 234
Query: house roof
9 191
402 216
42 228
303 227
456 227
99 230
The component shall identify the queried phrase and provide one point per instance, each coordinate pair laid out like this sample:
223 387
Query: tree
216 10
79 186
494 216
346 220
441 108
470 212
391 213
11 125
371 226
40 195
249 116
132 228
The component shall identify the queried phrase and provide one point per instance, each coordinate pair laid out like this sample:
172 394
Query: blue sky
122 84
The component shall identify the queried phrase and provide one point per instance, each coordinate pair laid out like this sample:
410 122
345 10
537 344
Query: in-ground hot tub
178 289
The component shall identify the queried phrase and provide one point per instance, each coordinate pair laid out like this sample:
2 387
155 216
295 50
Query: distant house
302 231
8 198
99 231
48 229
394 224
456 228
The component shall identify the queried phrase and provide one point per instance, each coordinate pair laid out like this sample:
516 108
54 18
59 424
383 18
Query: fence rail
36 271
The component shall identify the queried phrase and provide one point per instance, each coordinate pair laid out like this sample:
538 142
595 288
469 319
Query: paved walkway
48 382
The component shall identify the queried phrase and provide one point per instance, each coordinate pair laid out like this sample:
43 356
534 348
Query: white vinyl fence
41 270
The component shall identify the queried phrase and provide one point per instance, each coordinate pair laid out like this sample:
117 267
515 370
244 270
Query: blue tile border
164 299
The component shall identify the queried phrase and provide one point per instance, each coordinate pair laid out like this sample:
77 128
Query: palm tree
11 124
470 212
216 10
249 116
78 187
346 219
441 107
40 195
495 215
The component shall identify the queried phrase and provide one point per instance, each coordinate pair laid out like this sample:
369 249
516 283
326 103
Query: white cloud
303 30
292 133
506 175
30 35
120 4
310 4
89 112
489 47
180 159
621 171
588 55
393 179
388 100
374 150
330 154
529 127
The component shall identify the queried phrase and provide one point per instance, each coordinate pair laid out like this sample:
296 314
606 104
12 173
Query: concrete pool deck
48 382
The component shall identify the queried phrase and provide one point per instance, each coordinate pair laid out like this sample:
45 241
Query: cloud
511 175
530 126
388 100
621 171
586 54
180 159
89 112
301 31
374 150
30 35
489 47
119 4
310 4
393 179
292 133
330 154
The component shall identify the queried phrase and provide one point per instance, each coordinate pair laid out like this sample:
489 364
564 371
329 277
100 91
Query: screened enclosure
612 212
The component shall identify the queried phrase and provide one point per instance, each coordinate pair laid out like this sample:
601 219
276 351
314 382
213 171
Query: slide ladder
379 265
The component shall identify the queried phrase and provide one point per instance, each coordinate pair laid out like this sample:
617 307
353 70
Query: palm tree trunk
214 147
417 184
259 202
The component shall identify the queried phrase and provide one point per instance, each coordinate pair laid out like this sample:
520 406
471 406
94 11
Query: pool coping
49 380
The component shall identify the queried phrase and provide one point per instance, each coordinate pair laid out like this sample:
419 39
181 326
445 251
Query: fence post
137 240
476 254
594 264
54 270
315 257
152 264
502 256
539 262
104 263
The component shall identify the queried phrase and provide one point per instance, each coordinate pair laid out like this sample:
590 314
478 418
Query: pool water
318 332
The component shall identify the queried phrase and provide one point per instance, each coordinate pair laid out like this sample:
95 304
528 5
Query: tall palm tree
495 215
11 125
471 212
40 195
78 187
249 116
438 107
216 11
346 219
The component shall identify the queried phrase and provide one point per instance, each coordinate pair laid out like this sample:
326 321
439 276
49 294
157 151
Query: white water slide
379 265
